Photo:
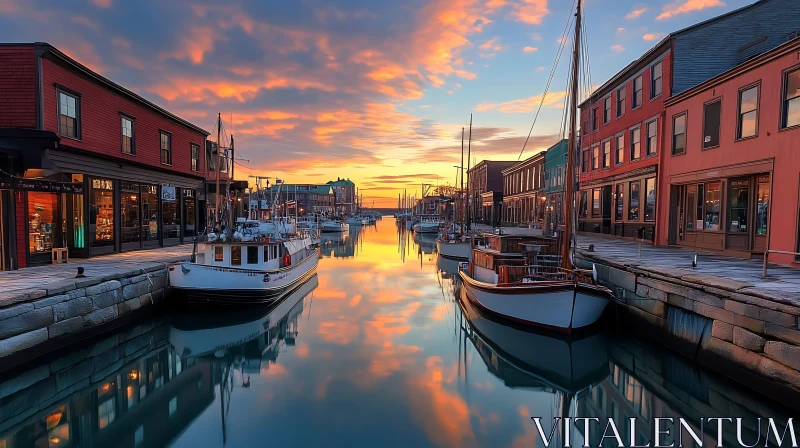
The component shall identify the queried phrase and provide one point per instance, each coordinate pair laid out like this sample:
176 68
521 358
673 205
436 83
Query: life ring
287 260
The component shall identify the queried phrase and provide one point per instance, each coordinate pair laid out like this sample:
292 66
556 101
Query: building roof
315 189
656 50
51 52
342 183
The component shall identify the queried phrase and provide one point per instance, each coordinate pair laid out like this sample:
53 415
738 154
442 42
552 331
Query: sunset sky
373 90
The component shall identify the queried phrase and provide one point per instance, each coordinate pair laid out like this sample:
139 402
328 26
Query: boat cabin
511 251
257 256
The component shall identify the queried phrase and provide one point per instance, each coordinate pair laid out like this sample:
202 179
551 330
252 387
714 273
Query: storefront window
762 211
189 214
149 213
691 207
584 206
739 201
650 199
101 209
713 200
43 222
595 202
633 202
130 203
619 196
170 217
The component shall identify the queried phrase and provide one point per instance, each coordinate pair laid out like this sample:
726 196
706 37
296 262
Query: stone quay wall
57 311
723 324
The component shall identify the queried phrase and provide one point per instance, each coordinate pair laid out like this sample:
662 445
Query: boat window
267 252
252 254
219 253
236 255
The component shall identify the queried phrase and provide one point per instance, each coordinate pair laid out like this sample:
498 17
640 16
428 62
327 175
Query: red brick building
88 165
731 152
486 191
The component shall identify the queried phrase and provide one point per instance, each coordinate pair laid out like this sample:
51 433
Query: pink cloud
652 36
102 3
530 11
618 48
686 6
530 49
635 13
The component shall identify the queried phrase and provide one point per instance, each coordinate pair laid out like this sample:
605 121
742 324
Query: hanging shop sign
40 185
169 194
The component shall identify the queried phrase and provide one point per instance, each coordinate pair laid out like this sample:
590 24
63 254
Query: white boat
453 247
428 225
356 221
511 285
235 272
205 334
334 226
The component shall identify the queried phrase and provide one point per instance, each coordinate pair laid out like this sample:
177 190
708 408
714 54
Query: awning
71 162
26 147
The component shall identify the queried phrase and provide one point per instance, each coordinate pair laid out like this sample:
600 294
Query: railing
766 257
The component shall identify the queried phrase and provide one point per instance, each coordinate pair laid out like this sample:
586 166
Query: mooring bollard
80 272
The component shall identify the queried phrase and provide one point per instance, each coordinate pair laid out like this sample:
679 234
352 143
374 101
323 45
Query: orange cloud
530 49
530 11
686 6
102 3
635 13
492 44
618 48
524 105
198 41
652 36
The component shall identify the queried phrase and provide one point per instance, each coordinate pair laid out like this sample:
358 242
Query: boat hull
211 285
455 250
561 306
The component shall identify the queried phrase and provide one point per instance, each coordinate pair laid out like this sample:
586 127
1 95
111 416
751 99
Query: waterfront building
623 121
88 165
308 198
345 191
522 186
731 151
485 189
555 173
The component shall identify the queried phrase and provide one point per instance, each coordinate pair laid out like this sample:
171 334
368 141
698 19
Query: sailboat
505 278
245 267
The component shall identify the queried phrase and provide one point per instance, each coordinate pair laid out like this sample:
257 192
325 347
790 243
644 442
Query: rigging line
563 130
549 80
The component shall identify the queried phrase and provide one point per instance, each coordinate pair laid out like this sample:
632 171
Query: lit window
166 148
652 130
606 153
127 136
620 101
748 113
791 101
655 80
679 134
68 115
620 149
195 150
636 147
636 100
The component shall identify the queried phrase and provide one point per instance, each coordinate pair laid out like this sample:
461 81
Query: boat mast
230 183
461 193
570 177
219 167
469 152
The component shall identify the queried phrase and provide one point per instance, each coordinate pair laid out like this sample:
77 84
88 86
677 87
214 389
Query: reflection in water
372 350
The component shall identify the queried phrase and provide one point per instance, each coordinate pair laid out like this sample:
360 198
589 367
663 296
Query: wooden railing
766 257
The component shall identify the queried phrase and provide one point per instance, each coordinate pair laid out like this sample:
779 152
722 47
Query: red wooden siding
17 87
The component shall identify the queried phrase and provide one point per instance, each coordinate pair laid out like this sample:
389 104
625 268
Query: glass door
738 227
759 230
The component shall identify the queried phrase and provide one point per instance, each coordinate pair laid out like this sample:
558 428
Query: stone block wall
724 324
75 305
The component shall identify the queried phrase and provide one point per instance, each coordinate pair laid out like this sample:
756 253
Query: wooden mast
461 196
219 168
570 177
469 152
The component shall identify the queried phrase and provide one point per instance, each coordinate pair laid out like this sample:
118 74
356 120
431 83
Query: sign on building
168 194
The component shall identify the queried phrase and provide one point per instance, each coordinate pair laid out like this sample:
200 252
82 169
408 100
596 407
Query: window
236 255
129 210
712 205
585 161
195 149
583 206
170 217
679 134
43 222
620 149
219 253
636 99
595 203
252 254
606 153
594 119
791 99
166 148
607 110
652 130
650 199
711 124
691 206
636 147
620 101
747 124
128 145
633 202
150 226
101 212
585 127
620 202
596 157
762 206
655 80
69 115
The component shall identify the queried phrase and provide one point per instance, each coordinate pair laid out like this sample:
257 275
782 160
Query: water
375 349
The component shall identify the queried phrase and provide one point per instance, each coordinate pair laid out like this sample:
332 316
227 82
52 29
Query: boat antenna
570 177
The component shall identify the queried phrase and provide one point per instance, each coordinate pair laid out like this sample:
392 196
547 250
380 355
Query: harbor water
375 349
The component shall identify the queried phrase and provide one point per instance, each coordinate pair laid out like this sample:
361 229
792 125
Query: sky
376 91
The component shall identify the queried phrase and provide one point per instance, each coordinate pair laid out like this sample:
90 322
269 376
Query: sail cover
294 246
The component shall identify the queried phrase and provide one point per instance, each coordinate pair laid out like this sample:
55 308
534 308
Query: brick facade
18 87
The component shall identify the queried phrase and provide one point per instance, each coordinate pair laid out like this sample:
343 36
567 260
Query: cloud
102 3
524 105
530 11
686 6
492 44
540 69
635 13
652 36
620 29
618 48
536 37
529 49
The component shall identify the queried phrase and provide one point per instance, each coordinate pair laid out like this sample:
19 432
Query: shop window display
170 218
130 203
149 212
101 209
43 222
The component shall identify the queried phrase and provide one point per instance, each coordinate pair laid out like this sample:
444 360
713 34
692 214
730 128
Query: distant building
307 198
485 183
522 185
555 178
345 191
